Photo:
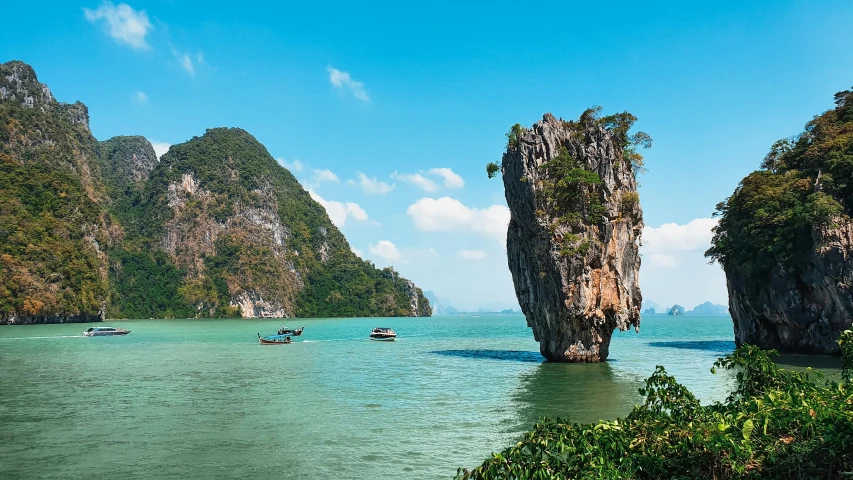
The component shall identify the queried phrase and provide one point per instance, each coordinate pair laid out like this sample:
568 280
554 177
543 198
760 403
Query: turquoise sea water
202 399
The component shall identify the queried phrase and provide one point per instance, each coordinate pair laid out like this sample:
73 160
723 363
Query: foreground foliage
777 424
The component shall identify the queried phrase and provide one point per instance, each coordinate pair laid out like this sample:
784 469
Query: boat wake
41 338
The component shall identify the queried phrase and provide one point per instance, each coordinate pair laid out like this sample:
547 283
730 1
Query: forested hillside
215 228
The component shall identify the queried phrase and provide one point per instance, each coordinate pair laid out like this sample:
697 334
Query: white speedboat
104 332
383 334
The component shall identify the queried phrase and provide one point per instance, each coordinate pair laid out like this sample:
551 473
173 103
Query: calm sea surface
201 399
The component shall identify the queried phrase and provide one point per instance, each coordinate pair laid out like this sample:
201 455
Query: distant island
705 309
443 306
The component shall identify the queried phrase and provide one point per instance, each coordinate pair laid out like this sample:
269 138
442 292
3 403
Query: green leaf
747 429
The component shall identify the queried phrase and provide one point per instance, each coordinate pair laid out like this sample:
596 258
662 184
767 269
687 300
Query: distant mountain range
706 309
442 306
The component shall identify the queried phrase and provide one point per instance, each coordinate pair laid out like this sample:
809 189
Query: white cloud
190 63
356 211
342 80
325 176
422 252
371 185
160 148
122 22
294 166
674 269
472 254
385 249
140 98
451 179
692 236
447 213
661 260
417 179
340 212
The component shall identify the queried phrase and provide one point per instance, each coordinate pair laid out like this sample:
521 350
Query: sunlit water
202 399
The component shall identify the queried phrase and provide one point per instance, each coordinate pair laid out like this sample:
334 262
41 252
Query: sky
388 112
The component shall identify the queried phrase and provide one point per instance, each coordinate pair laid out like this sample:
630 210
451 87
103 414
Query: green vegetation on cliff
51 220
805 182
777 424
245 224
215 227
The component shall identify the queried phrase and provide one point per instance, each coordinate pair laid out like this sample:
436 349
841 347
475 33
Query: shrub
777 424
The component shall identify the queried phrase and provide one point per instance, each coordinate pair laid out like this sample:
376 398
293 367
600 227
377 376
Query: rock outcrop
801 311
789 263
649 311
675 311
573 236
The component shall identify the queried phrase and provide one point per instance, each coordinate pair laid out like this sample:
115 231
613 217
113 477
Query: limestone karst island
257 241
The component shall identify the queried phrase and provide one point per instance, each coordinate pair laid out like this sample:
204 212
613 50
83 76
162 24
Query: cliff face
801 311
217 228
53 227
572 242
789 264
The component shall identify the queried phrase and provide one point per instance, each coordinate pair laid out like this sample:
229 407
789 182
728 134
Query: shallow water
201 399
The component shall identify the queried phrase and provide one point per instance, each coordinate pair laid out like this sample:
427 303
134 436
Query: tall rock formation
216 229
54 229
572 242
785 240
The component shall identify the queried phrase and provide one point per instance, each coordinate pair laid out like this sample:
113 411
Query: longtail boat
274 339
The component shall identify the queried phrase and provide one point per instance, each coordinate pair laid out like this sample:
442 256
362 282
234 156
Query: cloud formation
325 175
187 61
343 81
416 179
140 98
693 236
160 148
121 22
385 249
294 166
445 213
451 179
340 212
661 260
674 269
371 185
472 254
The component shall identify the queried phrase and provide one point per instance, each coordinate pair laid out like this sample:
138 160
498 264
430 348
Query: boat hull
274 340
106 334
383 338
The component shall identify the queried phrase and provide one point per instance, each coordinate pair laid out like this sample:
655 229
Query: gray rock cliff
573 248
802 311
18 83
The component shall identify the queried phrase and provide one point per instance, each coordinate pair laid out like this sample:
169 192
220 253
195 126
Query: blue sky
364 91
